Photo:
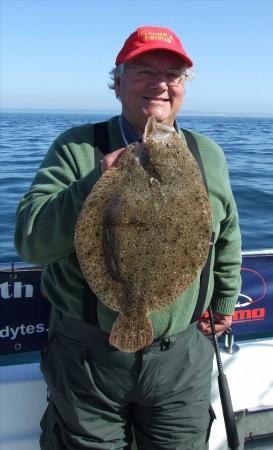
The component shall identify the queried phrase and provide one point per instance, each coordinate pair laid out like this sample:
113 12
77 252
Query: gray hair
117 71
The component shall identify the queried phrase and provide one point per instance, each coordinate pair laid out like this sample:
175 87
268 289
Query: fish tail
130 334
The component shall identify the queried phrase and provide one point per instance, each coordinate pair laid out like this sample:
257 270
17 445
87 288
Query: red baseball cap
146 39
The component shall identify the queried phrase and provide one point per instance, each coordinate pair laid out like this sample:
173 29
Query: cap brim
138 52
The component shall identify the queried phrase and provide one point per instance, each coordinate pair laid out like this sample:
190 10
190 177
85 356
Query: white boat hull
23 395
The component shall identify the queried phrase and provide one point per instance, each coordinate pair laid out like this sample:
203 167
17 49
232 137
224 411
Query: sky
57 54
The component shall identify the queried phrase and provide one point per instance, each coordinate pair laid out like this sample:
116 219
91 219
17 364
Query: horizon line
117 111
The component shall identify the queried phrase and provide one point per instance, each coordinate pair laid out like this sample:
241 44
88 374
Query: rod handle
229 418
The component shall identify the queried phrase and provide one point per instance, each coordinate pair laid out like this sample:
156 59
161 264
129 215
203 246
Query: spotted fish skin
143 233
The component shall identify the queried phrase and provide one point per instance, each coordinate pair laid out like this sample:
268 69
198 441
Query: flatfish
143 233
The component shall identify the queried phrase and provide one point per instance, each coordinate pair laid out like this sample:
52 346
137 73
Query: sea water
247 143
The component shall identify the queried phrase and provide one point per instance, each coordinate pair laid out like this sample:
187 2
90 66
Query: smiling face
141 100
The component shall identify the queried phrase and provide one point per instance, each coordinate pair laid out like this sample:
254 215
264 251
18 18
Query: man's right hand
111 159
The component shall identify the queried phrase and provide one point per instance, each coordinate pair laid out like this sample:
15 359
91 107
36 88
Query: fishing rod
229 418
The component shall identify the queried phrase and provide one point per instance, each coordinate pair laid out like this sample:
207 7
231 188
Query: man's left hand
221 321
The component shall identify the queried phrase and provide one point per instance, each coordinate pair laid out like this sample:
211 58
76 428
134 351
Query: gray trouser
97 393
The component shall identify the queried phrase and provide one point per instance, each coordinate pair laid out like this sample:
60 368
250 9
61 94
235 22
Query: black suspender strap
193 147
101 137
204 277
101 141
204 282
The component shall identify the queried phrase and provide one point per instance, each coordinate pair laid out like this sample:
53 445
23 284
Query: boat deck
249 372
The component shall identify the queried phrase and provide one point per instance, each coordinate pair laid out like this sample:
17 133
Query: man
96 392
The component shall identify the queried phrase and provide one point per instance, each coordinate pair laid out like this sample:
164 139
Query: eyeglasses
146 74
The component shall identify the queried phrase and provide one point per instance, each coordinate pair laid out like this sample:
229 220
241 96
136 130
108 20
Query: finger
204 327
207 331
202 324
221 328
111 159
118 155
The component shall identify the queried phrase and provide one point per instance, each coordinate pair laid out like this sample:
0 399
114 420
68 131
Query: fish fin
131 333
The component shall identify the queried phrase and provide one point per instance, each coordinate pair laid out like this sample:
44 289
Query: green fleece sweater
47 215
